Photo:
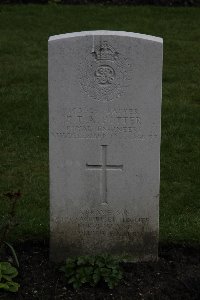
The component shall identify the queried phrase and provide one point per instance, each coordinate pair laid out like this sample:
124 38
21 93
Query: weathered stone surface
104 131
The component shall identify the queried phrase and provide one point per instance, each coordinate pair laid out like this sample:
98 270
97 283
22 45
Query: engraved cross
104 167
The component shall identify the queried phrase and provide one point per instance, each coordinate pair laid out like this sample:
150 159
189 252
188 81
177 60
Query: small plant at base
92 270
9 222
7 273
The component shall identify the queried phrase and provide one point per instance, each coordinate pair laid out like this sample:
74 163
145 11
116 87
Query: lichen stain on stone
138 242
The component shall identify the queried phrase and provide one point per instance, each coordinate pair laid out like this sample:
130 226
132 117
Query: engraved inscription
104 167
90 123
104 73
116 224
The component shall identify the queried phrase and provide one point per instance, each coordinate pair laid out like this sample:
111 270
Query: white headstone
104 129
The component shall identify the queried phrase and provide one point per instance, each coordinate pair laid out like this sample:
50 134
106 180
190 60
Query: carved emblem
105 73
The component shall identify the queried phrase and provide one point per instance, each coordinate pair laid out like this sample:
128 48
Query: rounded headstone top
104 33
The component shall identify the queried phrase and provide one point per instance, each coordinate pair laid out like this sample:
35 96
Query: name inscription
81 122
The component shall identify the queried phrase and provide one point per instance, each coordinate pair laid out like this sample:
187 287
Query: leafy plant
13 253
7 273
9 222
92 270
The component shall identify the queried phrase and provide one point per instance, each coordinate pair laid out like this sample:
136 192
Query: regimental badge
105 73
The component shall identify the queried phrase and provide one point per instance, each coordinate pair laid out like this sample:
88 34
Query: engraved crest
105 73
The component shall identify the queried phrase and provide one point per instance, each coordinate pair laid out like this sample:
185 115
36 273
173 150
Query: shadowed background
24 31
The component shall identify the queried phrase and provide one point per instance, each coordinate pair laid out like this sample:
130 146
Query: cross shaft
104 167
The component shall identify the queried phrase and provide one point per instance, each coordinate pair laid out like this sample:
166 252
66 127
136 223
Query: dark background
117 2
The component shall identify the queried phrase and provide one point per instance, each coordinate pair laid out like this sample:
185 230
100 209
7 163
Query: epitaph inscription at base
104 138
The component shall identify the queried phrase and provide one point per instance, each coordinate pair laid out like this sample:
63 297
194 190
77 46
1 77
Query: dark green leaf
96 278
77 285
71 280
13 286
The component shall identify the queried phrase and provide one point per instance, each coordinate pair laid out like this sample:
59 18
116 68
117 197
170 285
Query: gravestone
104 130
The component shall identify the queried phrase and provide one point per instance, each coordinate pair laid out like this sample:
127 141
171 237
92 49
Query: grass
24 31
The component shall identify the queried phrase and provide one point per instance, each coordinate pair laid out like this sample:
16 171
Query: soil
176 275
